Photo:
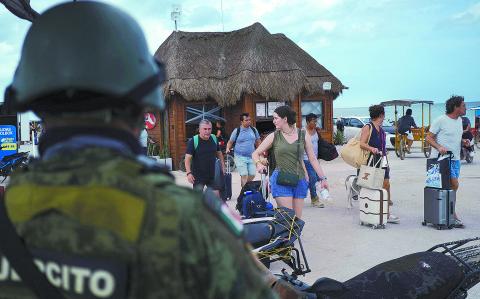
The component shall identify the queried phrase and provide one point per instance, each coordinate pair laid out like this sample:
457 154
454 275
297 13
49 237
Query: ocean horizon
438 109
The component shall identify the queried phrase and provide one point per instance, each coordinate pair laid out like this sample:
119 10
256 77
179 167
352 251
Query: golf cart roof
405 102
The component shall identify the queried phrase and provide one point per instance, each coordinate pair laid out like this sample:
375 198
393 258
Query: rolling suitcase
226 191
439 203
439 207
373 207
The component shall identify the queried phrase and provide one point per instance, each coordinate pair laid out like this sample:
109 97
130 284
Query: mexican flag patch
232 219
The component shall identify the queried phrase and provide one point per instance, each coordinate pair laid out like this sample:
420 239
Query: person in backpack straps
312 130
289 180
244 139
92 216
202 151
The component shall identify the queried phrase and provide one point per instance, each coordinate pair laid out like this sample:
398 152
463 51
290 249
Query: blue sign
8 140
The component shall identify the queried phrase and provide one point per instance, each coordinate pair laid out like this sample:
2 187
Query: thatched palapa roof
225 65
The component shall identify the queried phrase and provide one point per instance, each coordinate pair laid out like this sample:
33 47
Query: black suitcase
439 203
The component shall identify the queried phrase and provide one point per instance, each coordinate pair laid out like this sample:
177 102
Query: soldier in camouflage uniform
99 219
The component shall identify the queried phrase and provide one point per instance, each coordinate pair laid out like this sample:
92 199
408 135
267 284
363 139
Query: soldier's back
102 225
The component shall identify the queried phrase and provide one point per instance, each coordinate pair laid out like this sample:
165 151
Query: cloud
6 48
324 25
469 16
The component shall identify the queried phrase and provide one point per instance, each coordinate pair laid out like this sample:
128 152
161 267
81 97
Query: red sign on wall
150 121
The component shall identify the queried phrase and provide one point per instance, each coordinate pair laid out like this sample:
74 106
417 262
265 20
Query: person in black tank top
377 147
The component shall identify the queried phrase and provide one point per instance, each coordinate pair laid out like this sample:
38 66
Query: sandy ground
338 247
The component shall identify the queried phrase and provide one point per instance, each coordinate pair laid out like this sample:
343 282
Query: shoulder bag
353 154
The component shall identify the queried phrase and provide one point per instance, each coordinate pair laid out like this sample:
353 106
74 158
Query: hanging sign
150 121
8 140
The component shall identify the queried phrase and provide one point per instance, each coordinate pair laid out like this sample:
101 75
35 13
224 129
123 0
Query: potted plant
161 155
164 157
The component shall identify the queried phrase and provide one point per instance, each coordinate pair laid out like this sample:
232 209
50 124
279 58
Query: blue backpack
253 205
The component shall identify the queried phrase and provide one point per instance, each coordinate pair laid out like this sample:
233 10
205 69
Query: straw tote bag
352 154
370 175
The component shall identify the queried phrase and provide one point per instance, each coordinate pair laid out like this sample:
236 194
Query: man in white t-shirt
445 134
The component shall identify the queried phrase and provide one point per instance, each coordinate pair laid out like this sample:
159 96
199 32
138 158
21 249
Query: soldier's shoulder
217 208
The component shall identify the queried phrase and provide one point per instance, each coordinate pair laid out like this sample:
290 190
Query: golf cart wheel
397 150
427 151
402 149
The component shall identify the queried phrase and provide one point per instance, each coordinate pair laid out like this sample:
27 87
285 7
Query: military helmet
85 56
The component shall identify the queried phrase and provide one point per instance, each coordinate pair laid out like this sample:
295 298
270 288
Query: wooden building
220 75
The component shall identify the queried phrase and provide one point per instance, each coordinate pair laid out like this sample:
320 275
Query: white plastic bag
434 176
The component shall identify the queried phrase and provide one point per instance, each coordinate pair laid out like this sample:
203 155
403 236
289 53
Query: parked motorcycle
446 270
11 162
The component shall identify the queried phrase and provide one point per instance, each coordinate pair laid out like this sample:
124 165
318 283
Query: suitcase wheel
424 223
361 223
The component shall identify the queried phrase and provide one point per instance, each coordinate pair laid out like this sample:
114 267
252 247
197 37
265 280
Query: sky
380 49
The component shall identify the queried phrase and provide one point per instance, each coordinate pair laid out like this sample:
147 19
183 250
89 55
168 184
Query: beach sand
339 248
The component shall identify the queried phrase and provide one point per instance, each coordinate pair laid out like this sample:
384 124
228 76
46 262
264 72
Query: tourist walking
244 140
372 139
312 131
445 134
202 152
289 179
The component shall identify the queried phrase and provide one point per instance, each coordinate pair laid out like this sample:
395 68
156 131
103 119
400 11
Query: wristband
189 173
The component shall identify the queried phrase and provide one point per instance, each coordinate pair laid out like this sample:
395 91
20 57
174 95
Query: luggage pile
252 201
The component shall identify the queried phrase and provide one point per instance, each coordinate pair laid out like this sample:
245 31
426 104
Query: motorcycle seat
258 233
425 275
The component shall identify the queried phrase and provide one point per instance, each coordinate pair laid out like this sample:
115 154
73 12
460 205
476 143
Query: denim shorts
300 191
455 169
245 165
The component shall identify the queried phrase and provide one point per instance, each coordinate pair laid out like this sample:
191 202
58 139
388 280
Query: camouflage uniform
98 204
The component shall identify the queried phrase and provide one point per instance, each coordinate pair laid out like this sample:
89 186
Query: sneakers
316 202
472 154
458 224
393 219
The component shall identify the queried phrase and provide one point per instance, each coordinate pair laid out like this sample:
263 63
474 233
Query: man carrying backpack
244 139
202 151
